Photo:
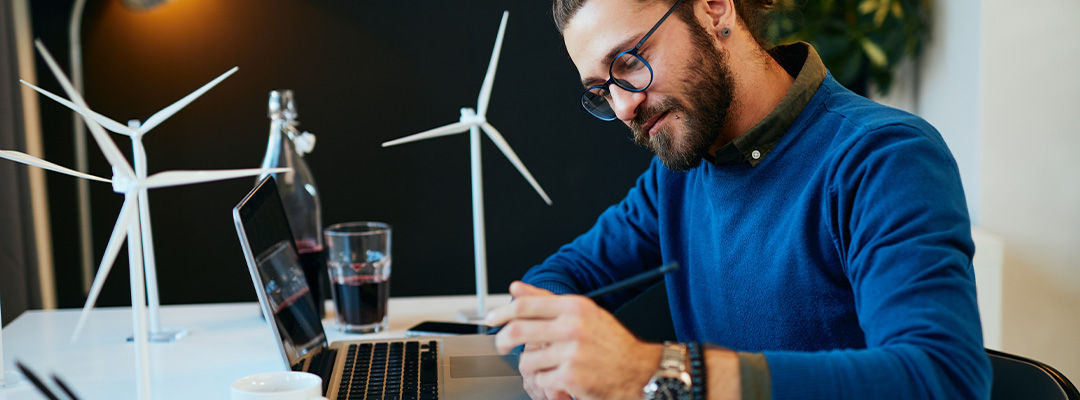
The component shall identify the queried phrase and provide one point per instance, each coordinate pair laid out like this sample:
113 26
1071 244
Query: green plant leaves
859 40
874 53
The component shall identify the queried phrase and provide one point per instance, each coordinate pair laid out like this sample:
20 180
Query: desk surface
225 342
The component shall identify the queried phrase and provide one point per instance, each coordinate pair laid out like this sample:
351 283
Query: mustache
645 113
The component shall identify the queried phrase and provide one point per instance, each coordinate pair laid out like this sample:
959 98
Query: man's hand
572 347
529 377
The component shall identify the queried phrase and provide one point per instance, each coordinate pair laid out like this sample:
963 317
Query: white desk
226 342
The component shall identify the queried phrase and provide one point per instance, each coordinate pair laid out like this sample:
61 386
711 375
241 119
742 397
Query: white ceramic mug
290 385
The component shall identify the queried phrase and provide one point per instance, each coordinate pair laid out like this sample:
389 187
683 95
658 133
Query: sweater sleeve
898 217
621 243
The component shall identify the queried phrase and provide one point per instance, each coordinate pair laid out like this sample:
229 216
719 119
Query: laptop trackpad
480 367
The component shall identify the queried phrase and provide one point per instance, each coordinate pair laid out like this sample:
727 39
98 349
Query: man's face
682 112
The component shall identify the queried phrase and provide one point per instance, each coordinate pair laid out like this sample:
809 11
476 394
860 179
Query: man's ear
720 14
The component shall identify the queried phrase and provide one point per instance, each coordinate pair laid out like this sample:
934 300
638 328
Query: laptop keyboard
321 364
390 370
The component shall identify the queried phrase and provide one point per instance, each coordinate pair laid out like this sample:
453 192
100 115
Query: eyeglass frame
634 52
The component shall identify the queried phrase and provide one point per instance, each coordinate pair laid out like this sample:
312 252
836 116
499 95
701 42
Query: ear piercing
725 32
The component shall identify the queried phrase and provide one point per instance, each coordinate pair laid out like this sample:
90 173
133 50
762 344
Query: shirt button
756 154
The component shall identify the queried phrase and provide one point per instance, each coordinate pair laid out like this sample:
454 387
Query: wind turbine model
126 181
473 121
136 132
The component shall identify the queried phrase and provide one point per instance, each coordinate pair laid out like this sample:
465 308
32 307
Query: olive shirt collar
801 61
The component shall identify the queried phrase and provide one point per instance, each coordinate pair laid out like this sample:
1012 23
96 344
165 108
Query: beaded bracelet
697 370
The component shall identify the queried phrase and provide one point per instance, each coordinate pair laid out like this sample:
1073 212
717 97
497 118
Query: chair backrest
1017 377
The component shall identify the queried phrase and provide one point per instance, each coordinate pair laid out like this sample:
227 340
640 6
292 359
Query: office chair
1017 377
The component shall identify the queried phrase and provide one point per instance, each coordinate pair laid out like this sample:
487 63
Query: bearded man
824 239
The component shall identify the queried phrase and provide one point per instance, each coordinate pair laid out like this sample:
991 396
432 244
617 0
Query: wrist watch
672 380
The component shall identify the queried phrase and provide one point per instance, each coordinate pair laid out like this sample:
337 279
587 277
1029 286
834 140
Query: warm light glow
156 12
140 5
183 29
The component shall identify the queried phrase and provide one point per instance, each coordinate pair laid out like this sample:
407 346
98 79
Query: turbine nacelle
124 184
470 117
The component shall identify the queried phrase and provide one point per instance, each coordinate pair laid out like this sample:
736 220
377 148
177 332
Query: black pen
35 381
63 386
644 277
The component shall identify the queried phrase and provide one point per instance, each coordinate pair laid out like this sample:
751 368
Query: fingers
522 289
558 395
551 380
528 379
535 346
537 392
534 307
518 289
524 331
534 360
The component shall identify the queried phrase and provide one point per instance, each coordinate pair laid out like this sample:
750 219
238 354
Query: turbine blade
510 155
176 178
167 112
101 119
451 129
489 78
119 233
108 148
37 162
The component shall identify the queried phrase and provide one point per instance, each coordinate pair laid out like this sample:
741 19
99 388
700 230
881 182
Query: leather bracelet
697 370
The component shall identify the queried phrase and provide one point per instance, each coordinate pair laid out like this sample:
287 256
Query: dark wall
363 73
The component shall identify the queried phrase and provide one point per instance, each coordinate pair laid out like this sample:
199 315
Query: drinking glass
358 261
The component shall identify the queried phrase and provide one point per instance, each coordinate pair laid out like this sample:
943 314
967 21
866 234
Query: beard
709 85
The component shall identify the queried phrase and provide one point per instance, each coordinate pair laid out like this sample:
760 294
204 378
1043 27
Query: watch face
672 389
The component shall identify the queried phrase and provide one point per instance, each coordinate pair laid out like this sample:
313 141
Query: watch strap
697 370
674 356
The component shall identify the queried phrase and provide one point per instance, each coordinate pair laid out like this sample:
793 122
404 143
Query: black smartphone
428 328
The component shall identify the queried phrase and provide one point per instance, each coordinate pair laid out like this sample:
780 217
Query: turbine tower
473 121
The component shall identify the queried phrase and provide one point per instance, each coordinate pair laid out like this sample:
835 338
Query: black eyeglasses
628 70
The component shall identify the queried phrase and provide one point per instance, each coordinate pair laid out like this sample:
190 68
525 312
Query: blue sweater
844 256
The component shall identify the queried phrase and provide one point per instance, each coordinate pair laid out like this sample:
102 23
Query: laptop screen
275 270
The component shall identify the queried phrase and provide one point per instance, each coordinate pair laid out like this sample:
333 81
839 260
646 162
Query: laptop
442 367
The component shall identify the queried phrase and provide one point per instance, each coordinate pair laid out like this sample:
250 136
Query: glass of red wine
358 262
